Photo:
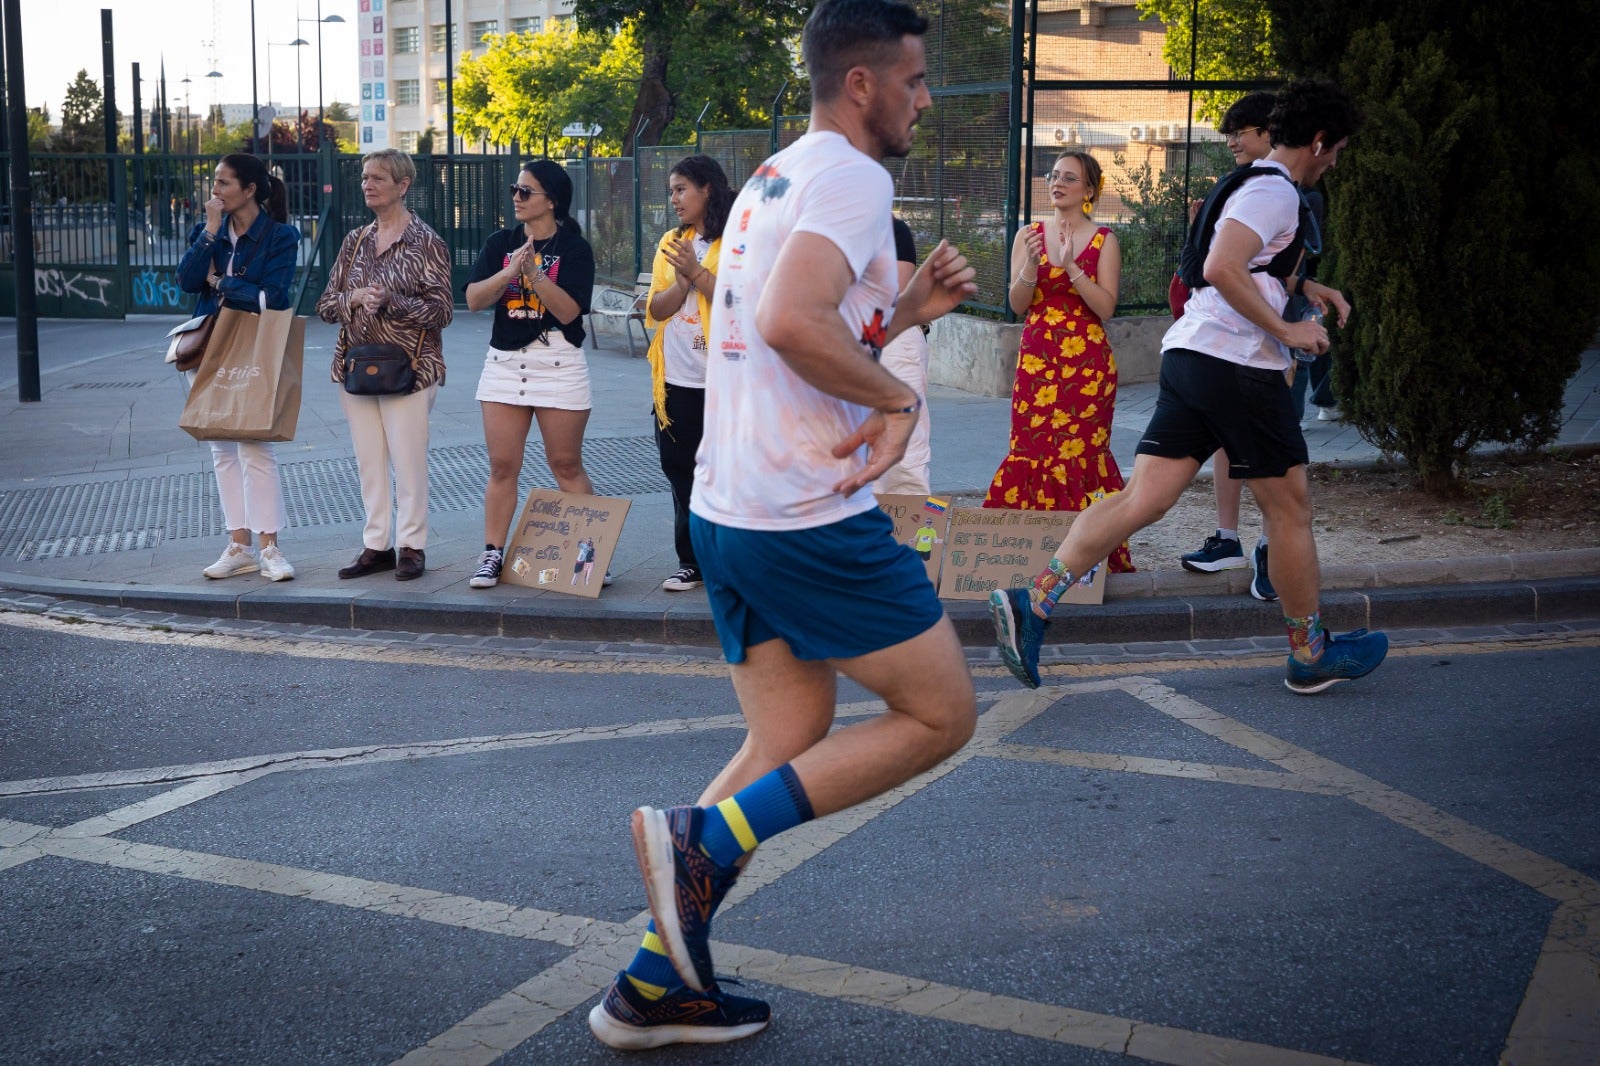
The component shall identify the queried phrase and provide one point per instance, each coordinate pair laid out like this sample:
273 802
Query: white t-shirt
1271 208
766 460
683 345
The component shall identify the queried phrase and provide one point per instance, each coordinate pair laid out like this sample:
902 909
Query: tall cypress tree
1465 217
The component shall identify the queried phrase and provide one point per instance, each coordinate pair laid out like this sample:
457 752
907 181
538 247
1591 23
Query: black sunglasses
522 192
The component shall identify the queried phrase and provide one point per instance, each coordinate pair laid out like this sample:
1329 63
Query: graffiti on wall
76 286
156 290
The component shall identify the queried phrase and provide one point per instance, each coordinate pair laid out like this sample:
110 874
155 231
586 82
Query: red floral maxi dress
1062 402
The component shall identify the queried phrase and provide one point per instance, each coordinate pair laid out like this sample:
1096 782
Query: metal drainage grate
107 516
109 385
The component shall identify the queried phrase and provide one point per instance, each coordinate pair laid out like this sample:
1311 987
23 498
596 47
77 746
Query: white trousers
906 357
247 482
390 434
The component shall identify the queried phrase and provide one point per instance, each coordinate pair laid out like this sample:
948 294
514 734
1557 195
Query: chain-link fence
1013 85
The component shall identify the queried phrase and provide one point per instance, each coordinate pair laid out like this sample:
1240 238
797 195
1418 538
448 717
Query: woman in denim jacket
243 256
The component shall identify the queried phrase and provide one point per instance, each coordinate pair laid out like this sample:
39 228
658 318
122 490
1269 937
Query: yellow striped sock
738 825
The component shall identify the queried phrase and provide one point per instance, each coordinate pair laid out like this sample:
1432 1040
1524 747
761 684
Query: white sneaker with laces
274 567
235 559
1328 414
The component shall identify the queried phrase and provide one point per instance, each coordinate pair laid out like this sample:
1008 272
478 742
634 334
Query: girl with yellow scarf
678 308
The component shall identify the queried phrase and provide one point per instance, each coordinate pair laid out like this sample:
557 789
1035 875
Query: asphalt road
230 849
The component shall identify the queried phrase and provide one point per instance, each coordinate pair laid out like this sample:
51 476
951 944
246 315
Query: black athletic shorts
1206 403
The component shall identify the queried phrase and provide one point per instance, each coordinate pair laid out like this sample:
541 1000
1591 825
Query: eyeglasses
1055 177
1234 135
522 192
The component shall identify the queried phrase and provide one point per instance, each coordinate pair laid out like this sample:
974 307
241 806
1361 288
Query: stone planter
979 355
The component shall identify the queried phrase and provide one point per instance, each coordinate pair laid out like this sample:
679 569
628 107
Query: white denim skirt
550 373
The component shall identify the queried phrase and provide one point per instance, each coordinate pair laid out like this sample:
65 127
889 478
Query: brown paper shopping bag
248 384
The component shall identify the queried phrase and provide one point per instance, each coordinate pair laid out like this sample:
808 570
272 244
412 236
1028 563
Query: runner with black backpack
1223 385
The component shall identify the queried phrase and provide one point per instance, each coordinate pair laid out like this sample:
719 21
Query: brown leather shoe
370 561
413 561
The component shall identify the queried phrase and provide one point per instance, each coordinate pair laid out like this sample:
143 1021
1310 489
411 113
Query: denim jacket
264 263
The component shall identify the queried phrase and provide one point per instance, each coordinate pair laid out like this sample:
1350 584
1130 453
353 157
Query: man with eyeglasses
1223 384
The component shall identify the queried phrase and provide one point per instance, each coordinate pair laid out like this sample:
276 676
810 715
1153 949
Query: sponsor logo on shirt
768 182
524 305
875 334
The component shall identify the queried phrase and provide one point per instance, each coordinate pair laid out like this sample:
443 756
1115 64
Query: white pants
906 357
247 482
390 433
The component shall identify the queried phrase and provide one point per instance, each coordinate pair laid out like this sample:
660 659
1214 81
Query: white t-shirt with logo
766 460
683 345
1271 208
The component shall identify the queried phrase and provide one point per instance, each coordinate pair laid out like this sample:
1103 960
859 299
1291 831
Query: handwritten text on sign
995 548
563 542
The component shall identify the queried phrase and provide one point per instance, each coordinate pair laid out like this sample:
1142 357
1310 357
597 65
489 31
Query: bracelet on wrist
911 410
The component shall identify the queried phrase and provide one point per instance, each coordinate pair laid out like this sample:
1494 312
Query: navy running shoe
1217 554
1260 584
1344 658
1018 631
624 1019
684 886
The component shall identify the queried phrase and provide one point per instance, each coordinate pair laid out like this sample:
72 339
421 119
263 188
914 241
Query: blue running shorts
831 592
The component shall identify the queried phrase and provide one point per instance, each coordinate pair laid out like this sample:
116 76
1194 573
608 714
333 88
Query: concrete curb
1539 587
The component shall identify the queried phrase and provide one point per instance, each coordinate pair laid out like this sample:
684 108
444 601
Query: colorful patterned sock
651 971
756 812
1307 638
1047 589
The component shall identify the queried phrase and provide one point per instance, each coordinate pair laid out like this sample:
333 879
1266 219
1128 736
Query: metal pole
138 121
108 67
1194 62
21 210
1014 162
319 73
299 105
449 81
255 104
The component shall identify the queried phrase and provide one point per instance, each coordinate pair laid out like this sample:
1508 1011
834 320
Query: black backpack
1197 242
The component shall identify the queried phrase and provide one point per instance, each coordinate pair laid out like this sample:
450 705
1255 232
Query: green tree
527 86
1465 217
39 133
82 117
339 111
1235 42
731 54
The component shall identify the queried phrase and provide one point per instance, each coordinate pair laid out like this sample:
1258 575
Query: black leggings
686 409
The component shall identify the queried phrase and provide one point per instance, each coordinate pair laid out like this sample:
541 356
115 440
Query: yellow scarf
663 277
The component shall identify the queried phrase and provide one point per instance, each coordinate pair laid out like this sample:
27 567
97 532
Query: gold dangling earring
1088 207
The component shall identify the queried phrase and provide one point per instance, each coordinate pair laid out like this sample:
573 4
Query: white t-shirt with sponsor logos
1271 208
766 460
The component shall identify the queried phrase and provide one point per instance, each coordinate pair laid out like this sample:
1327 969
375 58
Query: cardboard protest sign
563 542
919 523
991 548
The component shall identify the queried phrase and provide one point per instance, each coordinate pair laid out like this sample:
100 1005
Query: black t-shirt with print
521 318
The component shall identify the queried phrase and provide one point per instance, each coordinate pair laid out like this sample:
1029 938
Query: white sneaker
236 559
1327 414
274 567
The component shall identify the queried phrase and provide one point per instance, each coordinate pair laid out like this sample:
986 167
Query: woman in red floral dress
1066 273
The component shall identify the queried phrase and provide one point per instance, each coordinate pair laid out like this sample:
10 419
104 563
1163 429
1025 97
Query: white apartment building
402 45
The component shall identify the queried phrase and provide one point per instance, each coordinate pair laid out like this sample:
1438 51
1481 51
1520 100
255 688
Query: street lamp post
319 20
298 42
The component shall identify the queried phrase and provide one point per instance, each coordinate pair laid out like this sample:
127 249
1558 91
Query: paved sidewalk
104 499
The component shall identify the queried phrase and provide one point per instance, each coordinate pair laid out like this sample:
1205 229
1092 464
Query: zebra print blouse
415 271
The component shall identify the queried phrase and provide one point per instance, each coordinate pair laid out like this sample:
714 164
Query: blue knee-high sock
651 971
762 809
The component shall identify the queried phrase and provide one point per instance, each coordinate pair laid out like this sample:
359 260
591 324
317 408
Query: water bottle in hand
1313 313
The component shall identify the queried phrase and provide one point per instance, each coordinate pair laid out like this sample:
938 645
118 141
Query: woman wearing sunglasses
538 276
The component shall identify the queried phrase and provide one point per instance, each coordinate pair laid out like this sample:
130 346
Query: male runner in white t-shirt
802 570
1223 385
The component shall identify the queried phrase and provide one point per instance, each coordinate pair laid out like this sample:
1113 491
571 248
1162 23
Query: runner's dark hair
1306 108
1250 111
841 34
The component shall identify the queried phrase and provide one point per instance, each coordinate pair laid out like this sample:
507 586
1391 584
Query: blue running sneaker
684 886
1018 631
629 1022
1217 554
1344 658
1260 584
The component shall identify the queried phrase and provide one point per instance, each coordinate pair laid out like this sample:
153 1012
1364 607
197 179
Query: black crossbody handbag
381 369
